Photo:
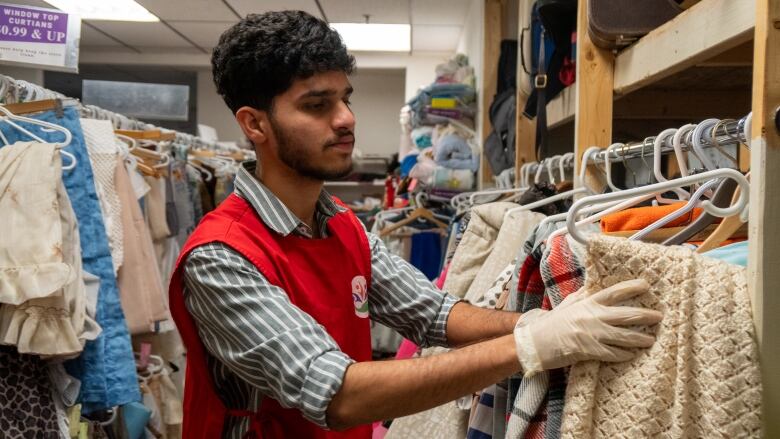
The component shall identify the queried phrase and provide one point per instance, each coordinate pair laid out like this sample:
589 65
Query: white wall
212 110
471 44
378 97
420 66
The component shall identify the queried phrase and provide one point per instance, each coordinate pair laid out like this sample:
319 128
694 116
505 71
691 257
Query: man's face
314 127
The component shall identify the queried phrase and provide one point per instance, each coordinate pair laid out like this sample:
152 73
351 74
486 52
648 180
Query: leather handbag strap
540 83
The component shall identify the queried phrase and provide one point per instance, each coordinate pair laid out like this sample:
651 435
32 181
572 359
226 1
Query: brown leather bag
613 24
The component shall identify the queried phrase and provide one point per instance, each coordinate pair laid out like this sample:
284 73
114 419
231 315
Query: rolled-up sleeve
402 298
255 331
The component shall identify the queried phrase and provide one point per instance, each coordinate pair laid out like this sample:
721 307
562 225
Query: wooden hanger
660 235
725 230
156 135
417 213
34 106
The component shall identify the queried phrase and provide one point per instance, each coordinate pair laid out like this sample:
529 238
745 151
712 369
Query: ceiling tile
198 10
92 38
38 3
380 11
435 38
245 7
139 34
204 33
452 12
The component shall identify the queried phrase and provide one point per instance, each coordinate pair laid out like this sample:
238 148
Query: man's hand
584 327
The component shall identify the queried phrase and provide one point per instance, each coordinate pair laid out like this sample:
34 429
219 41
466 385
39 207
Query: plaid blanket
548 274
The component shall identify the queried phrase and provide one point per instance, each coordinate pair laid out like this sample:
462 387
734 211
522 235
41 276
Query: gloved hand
584 326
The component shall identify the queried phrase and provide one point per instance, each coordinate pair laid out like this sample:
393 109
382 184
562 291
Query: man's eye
348 102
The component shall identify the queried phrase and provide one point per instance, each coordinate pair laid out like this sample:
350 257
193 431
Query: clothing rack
18 91
728 132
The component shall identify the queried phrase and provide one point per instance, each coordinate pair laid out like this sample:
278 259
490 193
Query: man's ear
255 124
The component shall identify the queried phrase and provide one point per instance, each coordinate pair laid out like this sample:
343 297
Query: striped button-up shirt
261 345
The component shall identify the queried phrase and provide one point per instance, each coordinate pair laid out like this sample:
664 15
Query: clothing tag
146 350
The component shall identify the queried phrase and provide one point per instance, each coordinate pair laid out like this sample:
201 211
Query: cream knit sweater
701 378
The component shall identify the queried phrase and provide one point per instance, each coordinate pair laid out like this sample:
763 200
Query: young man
273 291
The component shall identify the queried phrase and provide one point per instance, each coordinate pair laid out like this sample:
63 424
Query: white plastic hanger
9 118
660 139
692 202
608 164
696 142
682 160
588 155
646 192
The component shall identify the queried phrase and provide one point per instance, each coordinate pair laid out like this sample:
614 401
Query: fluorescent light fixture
375 37
115 10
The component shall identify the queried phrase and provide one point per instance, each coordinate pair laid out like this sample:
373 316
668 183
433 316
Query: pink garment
406 350
442 277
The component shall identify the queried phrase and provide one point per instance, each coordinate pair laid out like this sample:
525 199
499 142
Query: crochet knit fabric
700 379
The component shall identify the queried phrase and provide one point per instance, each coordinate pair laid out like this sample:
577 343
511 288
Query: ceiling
195 25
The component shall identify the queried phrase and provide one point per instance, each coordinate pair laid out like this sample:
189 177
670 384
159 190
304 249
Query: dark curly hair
259 57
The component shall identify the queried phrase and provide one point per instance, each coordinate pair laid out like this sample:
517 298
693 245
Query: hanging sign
39 37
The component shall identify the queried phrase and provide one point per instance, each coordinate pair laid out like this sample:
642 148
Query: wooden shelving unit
703 63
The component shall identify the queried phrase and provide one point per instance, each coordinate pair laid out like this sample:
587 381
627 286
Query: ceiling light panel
113 10
360 37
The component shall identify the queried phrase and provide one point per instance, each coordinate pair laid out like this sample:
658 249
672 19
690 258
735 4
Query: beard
293 153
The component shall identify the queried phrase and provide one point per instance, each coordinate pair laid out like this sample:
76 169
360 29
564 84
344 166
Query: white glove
584 327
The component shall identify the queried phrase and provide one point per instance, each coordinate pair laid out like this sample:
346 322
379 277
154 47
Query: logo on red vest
360 296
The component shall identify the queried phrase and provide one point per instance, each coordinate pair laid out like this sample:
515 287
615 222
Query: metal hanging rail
16 91
728 132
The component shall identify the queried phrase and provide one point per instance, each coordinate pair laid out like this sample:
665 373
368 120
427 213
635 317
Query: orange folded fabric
640 217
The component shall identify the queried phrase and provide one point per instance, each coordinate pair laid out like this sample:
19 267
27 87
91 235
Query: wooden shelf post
491 50
764 247
593 102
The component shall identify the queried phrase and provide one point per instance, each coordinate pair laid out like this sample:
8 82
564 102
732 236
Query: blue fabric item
422 137
736 253
135 416
407 164
454 152
106 367
426 253
481 422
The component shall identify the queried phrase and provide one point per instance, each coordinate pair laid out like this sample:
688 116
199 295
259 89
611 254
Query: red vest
326 278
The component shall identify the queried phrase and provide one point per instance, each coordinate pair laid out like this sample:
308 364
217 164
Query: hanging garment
285 261
56 325
30 266
640 217
106 367
537 408
194 180
104 157
26 406
475 246
155 209
426 253
526 293
512 233
701 378
162 398
736 253
140 284
183 200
